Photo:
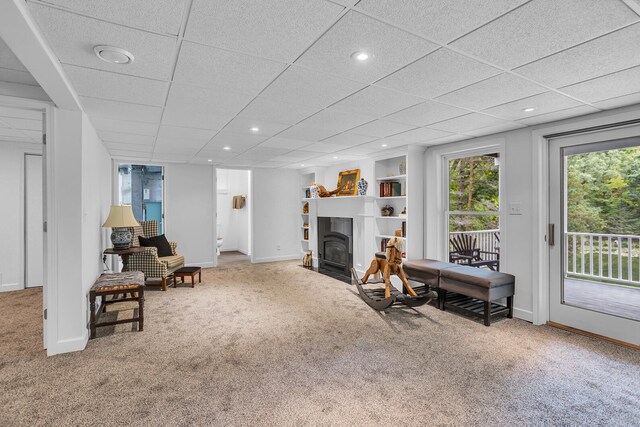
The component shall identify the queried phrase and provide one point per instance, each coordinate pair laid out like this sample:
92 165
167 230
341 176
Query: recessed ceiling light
528 109
209 160
254 129
302 164
384 145
112 54
226 148
360 56
335 157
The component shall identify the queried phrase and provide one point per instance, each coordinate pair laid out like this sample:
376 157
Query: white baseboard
523 314
8 287
200 264
69 346
277 258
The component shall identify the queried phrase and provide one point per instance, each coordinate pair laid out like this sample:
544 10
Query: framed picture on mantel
348 179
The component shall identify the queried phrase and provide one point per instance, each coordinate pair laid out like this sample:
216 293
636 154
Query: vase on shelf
362 187
403 167
315 191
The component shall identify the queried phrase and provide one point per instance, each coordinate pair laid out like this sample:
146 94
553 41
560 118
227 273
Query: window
141 186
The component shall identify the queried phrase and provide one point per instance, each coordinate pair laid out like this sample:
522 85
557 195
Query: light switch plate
515 208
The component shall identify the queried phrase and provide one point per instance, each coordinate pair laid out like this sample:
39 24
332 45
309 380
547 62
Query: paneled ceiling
274 84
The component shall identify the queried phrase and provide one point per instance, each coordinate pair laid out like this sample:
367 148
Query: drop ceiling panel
490 130
292 144
73 37
493 91
23 124
559 115
8 59
469 122
277 112
610 86
391 48
121 110
20 113
380 129
438 73
279 30
210 67
377 102
426 113
604 55
208 100
543 27
348 139
130 154
262 153
336 120
171 145
543 103
243 125
116 87
295 155
324 147
237 142
620 101
176 132
441 20
122 126
161 16
301 86
145 148
15 76
419 135
306 133
179 116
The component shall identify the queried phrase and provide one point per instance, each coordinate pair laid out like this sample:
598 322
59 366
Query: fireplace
335 246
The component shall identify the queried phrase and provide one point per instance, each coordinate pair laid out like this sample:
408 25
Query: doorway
594 188
142 187
233 219
33 220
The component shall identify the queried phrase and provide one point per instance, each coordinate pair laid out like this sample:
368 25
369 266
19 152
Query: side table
124 254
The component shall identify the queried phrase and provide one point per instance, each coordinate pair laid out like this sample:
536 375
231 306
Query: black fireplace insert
335 246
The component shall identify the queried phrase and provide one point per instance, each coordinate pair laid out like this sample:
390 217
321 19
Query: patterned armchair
148 261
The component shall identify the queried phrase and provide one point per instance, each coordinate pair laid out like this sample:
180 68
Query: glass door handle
551 234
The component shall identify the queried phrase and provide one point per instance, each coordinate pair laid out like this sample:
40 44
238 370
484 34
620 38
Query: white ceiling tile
23 124
209 100
130 153
301 86
380 129
543 103
447 139
161 16
306 133
295 155
418 135
20 113
172 145
8 59
335 120
237 142
243 125
73 37
374 147
187 117
15 76
609 86
176 132
171 158
279 30
390 48
377 102
466 123
439 72
117 87
490 130
126 138
426 113
262 153
277 112
559 115
348 139
543 27
121 110
620 101
123 126
493 91
439 20
231 71
8 132
324 147
604 55
125 146
292 144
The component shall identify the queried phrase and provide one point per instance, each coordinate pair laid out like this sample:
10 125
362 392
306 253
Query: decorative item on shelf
307 260
305 225
387 210
404 228
120 218
348 182
307 193
398 233
305 235
305 208
323 192
314 190
403 214
390 189
362 187
403 167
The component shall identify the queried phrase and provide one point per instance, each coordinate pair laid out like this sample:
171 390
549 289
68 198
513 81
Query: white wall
190 212
328 176
276 214
12 212
234 223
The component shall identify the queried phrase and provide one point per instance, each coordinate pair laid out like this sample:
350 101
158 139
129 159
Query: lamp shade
120 216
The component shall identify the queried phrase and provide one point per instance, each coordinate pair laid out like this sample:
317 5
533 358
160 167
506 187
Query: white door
594 186
34 235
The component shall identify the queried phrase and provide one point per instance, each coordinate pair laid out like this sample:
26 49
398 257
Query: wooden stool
187 271
115 284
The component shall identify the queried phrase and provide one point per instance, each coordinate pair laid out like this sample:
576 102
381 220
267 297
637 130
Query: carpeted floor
276 344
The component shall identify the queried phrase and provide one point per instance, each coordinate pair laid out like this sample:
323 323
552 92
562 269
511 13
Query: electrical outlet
277 247
515 208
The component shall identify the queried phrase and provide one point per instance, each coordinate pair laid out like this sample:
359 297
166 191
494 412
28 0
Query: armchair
148 261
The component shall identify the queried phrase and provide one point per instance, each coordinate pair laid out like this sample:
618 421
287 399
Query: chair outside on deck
148 261
467 252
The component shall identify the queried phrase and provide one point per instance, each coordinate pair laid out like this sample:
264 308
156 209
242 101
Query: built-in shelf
304 241
391 178
392 217
343 198
304 214
393 197
385 236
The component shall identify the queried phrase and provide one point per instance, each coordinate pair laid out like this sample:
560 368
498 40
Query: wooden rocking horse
390 263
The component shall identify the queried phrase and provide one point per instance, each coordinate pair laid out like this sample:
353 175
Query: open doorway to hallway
233 216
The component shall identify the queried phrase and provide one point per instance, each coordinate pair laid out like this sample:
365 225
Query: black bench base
474 307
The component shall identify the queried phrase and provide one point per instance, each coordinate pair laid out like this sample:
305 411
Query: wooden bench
116 284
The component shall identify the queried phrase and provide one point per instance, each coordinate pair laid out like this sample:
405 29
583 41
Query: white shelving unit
304 217
387 171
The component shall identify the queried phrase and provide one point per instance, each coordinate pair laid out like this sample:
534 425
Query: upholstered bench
481 284
427 271
117 284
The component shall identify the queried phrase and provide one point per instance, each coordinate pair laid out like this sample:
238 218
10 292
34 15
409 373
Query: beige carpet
276 344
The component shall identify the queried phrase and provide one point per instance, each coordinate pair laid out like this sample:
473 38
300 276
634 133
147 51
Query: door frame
540 153
25 246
